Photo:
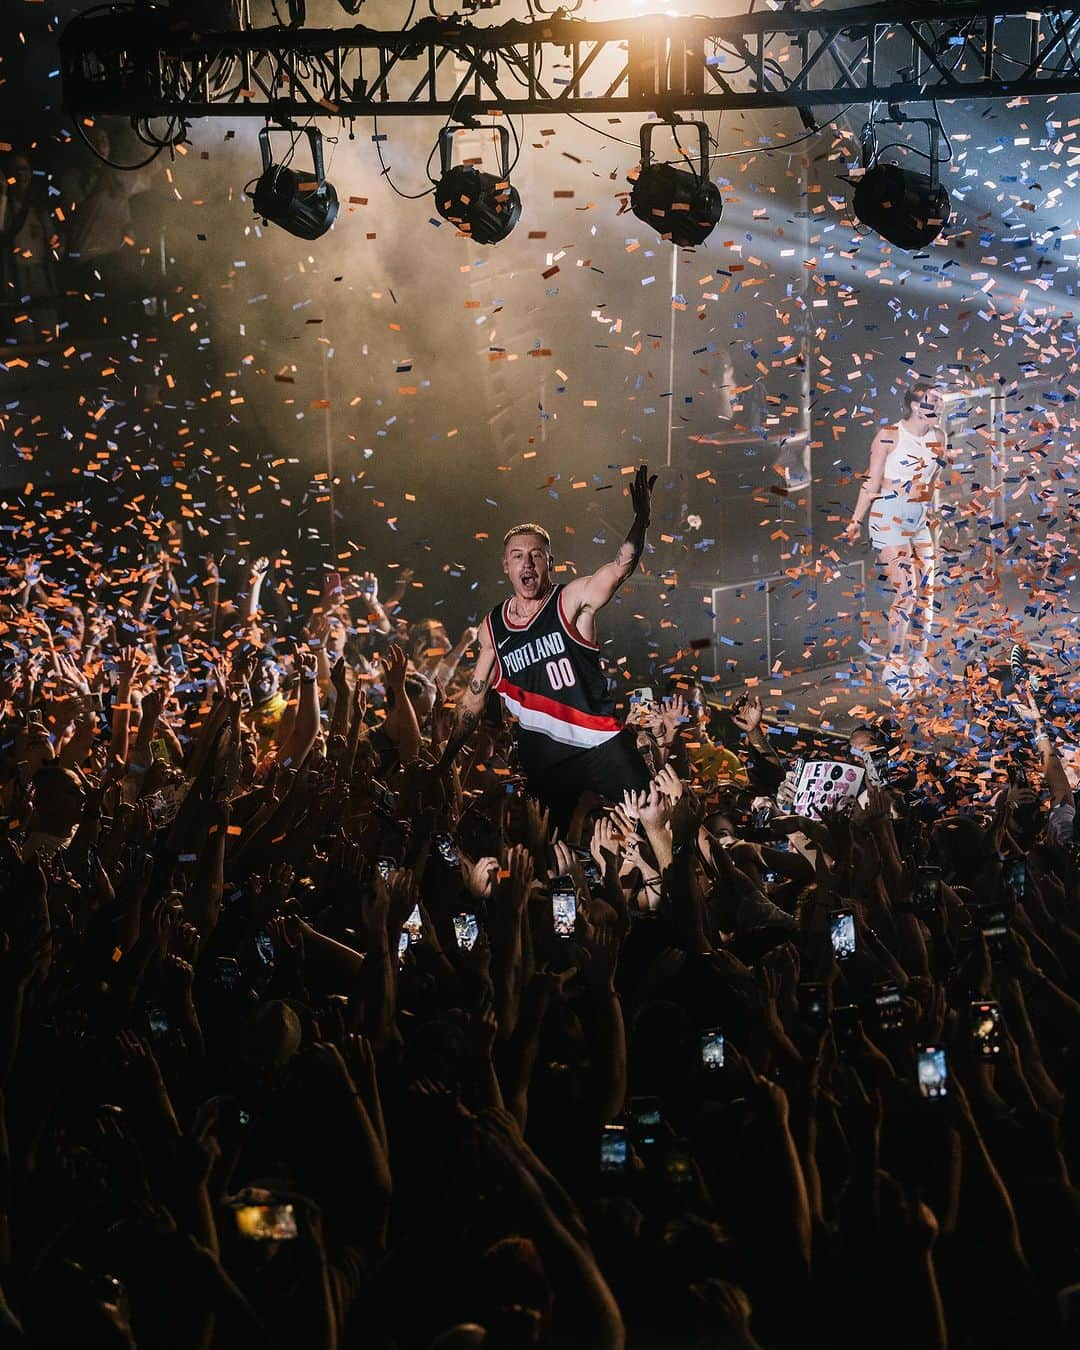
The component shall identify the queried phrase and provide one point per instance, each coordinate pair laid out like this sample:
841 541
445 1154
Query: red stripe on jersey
550 706
572 630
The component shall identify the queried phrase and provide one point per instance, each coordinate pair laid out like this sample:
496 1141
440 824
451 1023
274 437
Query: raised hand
670 784
605 841
655 811
395 664
747 714
519 883
632 804
369 585
674 714
479 877
339 677
641 494
536 821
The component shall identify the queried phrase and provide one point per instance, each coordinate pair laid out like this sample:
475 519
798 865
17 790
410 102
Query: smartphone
890 1011
158 1021
814 1005
614 1149
842 933
414 925
333 586
679 1165
928 888
1014 878
642 696
994 925
847 1024
932 1072
466 930
243 694
590 869
563 907
402 946
264 945
367 586
772 878
759 818
878 770
384 866
646 1118
986 1028
266 1223
712 1048
227 972
174 659
446 849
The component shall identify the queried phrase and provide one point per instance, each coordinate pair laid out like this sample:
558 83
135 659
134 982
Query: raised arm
593 592
471 703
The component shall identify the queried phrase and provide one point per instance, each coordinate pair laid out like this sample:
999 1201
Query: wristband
307 677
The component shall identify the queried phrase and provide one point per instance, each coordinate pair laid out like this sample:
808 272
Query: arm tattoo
467 722
477 686
629 555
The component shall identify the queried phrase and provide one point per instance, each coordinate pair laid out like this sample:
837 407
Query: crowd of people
313 1036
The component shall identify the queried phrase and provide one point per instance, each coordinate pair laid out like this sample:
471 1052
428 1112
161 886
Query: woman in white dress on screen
905 460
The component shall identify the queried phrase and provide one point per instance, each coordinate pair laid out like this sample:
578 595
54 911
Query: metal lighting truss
142 62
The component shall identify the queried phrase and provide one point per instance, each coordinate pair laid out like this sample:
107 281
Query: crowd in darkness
293 1052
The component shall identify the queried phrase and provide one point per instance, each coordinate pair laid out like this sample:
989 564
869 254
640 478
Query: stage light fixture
482 205
682 205
305 205
908 208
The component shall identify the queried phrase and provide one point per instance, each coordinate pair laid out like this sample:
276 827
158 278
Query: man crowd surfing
313 1035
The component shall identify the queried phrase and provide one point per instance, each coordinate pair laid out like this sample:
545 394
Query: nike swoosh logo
503 643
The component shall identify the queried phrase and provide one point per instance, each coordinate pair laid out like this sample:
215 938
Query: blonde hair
528 528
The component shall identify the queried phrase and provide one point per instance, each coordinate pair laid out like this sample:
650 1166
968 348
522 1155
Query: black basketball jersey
550 679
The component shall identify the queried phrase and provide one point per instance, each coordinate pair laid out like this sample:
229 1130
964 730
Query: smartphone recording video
1014 879
994 924
384 866
466 931
986 1028
814 1005
266 1223
928 888
227 972
890 1011
712 1049
614 1149
563 907
679 1165
414 925
446 849
842 933
932 1072
646 1118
